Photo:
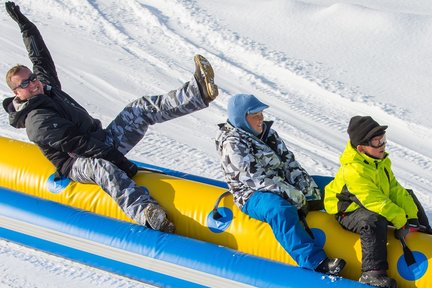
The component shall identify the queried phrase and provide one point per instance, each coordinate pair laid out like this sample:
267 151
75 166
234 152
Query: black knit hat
363 128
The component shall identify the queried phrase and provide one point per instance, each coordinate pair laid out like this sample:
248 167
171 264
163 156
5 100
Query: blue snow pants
284 221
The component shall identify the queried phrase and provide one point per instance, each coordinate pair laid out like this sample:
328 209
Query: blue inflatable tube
143 254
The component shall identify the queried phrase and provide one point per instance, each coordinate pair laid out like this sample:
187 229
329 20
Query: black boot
377 279
331 266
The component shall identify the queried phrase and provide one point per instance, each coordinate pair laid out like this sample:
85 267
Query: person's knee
284 214
374 224
100 163
105 169
269 206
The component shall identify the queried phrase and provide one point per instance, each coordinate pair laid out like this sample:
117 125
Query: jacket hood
239 106
7 103
17 117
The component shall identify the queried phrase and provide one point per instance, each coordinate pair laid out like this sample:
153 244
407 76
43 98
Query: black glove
401 233
128 167
118 159
15 13
304 210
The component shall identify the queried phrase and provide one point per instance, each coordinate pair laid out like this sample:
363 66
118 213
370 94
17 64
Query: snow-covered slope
317 63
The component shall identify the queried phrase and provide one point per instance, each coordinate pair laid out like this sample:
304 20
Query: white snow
317 63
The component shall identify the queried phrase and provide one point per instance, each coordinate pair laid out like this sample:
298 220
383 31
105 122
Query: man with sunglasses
76 143
365 197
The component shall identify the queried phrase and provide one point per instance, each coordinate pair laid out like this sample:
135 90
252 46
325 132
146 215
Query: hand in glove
402 232
15 13
304 210
118 159
413 225
128 167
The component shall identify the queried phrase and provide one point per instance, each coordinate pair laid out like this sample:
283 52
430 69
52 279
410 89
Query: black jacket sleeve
43 64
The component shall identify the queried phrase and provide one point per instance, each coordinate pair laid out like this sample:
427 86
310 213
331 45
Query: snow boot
157 219
204 75
331 266
167 226
377 279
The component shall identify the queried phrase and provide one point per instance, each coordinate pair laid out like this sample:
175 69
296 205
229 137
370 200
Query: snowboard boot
157 219
331 266
204 76
377 279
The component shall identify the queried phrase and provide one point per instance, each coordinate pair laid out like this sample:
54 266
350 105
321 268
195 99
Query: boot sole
206 68
155 216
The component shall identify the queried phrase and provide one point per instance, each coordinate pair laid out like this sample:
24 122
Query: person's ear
360 148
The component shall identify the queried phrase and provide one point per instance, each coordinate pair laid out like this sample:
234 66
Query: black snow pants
372 228
373 233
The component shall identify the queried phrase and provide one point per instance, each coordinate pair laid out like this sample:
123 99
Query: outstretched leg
129 127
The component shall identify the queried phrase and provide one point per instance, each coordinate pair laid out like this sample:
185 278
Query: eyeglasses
378 142
25 83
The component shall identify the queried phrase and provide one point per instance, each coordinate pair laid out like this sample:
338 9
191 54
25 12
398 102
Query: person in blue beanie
268 184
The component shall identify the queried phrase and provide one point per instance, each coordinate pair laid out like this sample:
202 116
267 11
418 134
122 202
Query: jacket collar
263 136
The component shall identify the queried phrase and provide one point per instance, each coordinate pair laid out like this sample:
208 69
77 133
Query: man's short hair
12 72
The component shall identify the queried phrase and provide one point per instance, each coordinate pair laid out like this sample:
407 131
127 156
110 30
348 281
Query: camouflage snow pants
123 133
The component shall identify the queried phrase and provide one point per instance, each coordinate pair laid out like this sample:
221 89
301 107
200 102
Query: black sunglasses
25 83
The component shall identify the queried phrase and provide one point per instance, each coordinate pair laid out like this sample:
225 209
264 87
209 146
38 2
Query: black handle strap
408 255
302 218
216 214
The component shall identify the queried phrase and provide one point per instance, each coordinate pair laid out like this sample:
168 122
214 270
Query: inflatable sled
251 255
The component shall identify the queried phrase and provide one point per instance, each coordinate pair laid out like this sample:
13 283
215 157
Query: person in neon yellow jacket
365 197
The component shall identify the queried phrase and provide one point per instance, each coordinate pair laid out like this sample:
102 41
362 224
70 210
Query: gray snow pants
123 133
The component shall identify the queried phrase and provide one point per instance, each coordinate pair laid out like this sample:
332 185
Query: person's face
26 86
255 120
375 147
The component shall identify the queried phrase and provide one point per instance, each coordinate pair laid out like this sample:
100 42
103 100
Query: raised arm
43 65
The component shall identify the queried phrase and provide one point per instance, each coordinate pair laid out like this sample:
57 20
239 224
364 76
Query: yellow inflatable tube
189 205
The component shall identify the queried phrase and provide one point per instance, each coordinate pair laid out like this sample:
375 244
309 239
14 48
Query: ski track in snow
310 110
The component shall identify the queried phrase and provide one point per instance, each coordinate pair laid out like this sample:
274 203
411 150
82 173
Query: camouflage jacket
262 164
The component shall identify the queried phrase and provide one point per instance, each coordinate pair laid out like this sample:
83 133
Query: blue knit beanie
239 106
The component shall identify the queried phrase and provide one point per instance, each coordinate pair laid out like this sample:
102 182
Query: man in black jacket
76 143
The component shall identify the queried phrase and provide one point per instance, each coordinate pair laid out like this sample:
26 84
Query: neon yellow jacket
368 182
